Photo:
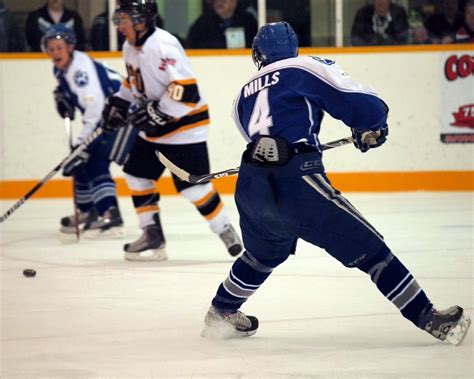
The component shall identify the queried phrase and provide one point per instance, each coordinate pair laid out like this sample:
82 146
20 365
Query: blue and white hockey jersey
288 99
87 83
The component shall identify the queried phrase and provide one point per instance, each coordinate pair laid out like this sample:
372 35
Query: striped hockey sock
246 276
399 286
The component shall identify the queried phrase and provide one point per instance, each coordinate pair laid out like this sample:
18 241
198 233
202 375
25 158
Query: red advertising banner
457 118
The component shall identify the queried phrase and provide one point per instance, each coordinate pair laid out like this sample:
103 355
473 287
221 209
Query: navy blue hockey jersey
288 99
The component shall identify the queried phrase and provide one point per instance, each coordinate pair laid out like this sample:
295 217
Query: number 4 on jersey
261 120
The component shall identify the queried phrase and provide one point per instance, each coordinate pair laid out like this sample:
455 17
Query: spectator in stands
99 36
380 23
226 25
444 23
10 37
465 34
53 12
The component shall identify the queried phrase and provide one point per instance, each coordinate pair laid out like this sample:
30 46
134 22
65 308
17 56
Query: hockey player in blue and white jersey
84 84
283 193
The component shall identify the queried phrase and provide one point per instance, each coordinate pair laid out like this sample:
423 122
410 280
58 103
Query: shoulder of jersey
161 41
81 62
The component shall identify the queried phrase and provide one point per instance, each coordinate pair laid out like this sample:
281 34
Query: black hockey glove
369 139
115 113
78 157
149 119
64 105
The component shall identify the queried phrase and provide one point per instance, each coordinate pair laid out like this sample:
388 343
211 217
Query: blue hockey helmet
59 31
274 42
141 11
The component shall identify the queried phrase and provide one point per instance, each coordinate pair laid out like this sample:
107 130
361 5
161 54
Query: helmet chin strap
140 41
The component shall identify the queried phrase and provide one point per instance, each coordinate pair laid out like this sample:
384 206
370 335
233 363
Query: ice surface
89 313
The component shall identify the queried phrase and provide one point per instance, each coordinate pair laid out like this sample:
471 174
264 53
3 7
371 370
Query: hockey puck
28 272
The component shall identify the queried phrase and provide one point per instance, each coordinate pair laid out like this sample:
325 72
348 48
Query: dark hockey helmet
58 31
141 11
274 42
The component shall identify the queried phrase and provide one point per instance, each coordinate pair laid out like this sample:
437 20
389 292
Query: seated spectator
380 23
99 36
226 25
444 23
53 12
10 38
465 34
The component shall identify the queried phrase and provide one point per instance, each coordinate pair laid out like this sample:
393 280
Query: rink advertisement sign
457 96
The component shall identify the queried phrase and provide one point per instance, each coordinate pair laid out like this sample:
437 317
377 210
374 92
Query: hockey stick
94 136
196 179
67 124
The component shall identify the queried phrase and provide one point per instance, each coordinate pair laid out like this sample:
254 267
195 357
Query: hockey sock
396 283
246 276
83 196
104 193
146 205
209 204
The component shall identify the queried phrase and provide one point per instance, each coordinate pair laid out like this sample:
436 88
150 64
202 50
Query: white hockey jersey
87 83
160 70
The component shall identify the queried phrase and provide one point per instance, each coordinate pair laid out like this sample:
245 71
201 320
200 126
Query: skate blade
154 255
224 331
68 238
96 234
459 331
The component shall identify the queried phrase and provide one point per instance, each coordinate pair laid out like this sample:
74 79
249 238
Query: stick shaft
196 179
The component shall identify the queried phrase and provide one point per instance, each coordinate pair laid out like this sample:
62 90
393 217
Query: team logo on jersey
166 62
81 78
328 62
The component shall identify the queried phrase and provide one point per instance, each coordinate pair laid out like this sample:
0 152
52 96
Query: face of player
382 7
60 53
469 16
125 26
56 5
224 8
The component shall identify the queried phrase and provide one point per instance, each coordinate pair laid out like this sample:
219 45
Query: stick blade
179 172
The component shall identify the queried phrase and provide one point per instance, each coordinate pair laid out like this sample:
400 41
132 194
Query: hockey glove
149 119
78 157
369 139
64 106
115 113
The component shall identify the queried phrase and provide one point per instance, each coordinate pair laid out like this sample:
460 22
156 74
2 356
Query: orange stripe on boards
247 52
403 181
344 181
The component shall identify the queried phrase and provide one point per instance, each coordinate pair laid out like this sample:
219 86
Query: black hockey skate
67 231
109 224
68 223
152 241
450 325
223 325
231 240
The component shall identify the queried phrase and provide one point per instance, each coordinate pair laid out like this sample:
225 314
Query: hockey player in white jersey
283 193
172 117
84 84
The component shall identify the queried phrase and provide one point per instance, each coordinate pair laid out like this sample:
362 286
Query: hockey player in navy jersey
166 107
283 193
84 84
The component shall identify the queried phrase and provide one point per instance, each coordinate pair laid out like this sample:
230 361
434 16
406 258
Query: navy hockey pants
278 205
